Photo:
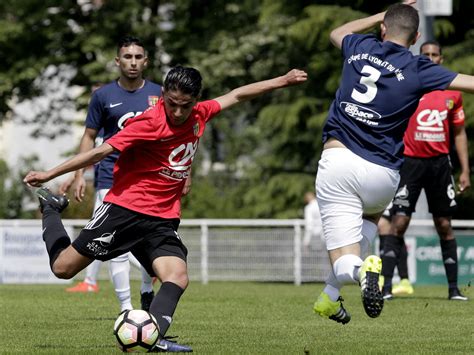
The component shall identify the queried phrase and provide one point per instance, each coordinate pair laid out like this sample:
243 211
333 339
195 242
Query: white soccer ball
136 331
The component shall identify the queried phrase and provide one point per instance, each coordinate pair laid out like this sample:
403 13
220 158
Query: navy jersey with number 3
110 106
381 85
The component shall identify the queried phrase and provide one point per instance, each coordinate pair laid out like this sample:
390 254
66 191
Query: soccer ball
136 330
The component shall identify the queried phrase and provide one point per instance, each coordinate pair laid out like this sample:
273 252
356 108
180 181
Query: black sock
381 243
403 262
54 234
164 304
450 260
391 253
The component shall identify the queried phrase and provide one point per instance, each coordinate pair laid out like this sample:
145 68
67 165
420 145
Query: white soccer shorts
348 186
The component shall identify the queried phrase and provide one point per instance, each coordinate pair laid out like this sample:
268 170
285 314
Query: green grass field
239 318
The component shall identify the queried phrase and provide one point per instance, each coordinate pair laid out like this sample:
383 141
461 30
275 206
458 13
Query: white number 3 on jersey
369 83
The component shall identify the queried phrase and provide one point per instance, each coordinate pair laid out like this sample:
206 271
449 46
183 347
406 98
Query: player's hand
409 2
36 178
66 185
296 76
464 182
79 188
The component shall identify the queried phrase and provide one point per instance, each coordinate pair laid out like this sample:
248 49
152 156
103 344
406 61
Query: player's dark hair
401 19
127 41
185 79
432 43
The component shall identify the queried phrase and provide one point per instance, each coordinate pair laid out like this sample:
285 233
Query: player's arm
360 25
460 142
87 143
81 160
187 184
463 82
248 92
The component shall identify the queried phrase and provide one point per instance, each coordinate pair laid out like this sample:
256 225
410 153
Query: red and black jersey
155 159
428 132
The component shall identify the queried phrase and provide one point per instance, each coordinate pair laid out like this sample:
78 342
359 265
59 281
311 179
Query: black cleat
342 316
372 298
46 198
455 295
146 298
166 345
387 293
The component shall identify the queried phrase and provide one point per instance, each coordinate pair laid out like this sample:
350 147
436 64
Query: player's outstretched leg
333 310
54 234
369 274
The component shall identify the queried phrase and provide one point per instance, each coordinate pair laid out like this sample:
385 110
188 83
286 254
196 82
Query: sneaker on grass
403 288
333 310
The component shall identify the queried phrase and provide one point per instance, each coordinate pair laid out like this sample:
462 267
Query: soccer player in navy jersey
110 107
427 165
357 176
142 209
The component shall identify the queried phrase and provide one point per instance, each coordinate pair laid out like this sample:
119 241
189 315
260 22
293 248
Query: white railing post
297 253
204 253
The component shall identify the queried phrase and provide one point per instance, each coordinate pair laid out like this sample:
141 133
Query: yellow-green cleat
403 288
369 274
333 310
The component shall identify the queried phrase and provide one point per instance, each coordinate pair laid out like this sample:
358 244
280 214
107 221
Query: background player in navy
357 177
110 107
427 165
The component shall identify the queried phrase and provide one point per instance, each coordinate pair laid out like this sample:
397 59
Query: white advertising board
23 257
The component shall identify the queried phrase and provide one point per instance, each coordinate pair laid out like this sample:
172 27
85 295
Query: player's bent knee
62 271
179 278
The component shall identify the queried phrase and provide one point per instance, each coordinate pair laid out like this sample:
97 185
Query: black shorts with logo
432 174
114 230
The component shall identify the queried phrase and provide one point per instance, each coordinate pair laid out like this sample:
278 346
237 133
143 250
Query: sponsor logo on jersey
114 105
152 100
431 120
360 113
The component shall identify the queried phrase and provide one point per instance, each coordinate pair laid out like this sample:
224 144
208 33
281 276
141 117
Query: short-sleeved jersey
110 106
155 159
379 91
428 132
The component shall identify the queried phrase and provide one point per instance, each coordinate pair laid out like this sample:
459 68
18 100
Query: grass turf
239 318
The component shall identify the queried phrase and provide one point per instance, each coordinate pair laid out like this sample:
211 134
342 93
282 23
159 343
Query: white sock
91 272
333 287
147 282
120 275
346 268
369 232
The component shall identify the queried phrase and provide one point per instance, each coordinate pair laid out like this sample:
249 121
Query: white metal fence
249 249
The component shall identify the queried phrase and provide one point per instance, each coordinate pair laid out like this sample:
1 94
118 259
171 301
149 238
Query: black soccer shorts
432 174
114 230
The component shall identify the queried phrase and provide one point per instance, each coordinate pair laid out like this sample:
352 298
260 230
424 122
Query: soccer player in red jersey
141 212
427 165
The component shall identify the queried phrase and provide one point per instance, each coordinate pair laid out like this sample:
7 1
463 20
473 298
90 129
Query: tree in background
259 159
